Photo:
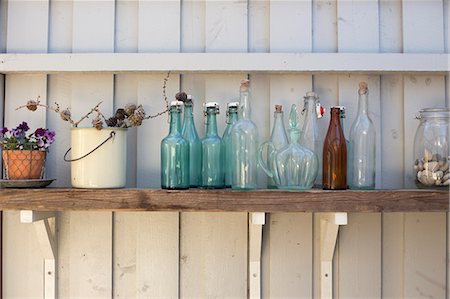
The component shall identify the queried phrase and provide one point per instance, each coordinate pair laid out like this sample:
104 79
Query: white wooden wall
204 255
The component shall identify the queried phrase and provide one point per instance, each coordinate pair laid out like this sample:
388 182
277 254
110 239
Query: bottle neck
232 117
188 110
211 124
310 107
175 120
363 104
335 117
294 136
278 123
244 105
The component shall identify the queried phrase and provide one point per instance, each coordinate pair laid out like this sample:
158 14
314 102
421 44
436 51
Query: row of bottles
295 160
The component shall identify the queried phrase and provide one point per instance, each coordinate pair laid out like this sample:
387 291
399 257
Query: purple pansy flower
23 126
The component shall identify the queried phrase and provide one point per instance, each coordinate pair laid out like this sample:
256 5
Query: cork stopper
363 87
245 84
311 94
278 108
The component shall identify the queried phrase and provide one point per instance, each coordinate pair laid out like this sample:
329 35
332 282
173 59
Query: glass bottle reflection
232 117
212 166
334 154
175 153
190 134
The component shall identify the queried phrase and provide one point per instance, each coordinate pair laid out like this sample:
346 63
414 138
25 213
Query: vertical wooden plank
446 26
126 26
290 235
425 254
3 24
193 26
213 256
60 26
324 25
30 36
359 250
258 25
423 26
390 26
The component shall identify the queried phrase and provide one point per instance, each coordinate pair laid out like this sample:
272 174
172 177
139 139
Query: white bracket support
256 222
47 241
329 227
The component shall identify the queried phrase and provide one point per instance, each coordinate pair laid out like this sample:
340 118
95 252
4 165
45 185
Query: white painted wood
359 250
258 25
3 25
324 26
225 62
30 36
358 23
213 255
425 253
390 13
446 26
126 26
392 131
423 26
290 26
29 216
46 239
60 26
93 26
393 255
85 255
159 26
291 235
49 279
193 26
256 222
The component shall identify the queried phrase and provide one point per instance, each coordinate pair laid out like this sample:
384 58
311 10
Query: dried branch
95 109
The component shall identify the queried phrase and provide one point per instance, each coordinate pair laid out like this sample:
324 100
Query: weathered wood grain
57 199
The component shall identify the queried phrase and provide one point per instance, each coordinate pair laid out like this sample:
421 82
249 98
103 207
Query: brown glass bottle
334 155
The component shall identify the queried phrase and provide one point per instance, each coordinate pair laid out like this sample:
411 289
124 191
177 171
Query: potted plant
24 154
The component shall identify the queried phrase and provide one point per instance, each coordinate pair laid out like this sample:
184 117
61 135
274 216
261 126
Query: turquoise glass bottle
190 134
362 142
244 144
175 152
212 166
232 117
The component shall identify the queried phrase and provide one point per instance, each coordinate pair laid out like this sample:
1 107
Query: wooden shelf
225 62
55 199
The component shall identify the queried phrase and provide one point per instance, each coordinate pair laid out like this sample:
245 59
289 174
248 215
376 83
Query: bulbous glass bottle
232 117
278 140
212 166
295 166
311 136
334 173
244 144
362 144
175 153
190 134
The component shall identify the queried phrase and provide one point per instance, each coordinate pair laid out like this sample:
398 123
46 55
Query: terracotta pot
24 164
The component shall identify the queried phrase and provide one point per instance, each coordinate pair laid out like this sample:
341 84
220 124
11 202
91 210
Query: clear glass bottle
362 143
311 136
334 173
295 166
278 140
212 166
232 117
175 152
347 143
432 148
190 134
244 144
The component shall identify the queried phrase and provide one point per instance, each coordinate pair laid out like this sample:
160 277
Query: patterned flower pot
24 164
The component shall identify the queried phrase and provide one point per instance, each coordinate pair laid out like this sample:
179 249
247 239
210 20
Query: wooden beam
55 199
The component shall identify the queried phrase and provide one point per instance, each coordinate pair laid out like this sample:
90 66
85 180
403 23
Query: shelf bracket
329 227
256 222
47 241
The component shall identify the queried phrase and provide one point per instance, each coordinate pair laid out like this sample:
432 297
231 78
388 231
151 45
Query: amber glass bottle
335 154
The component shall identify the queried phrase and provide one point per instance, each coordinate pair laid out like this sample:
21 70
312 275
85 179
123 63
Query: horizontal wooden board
225 62
55 199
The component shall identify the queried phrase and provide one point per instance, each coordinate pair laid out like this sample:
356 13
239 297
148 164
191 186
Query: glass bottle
431 148
295 166
363 140
278 140
232 117
190 134
244 144
212 166
334 154
175 152
347 143
311 136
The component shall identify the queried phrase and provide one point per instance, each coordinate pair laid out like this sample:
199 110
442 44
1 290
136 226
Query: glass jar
431 148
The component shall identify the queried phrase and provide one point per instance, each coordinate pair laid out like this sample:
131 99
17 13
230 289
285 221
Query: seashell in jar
446 183
444 167
438 182
427 155
446 177
438 175
436 157
431 166
426 178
